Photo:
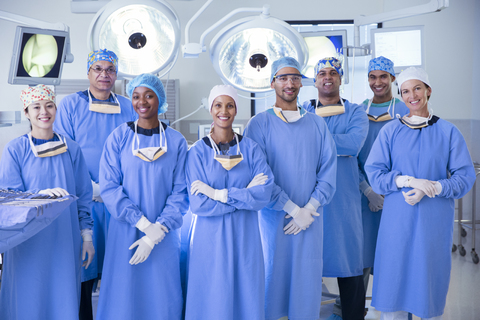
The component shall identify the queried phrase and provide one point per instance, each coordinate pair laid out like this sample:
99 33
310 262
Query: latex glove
375 200
427 186
88 251
145 246
413 196
303 217
258 180
201 187
96 192
291 227
154 231
55 192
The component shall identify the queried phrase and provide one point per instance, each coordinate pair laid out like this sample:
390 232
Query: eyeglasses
283 78
100 70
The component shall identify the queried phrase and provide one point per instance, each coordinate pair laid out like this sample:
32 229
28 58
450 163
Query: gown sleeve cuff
142 224
364 185
314 203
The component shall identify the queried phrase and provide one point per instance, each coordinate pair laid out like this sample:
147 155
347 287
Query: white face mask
103 106
48 149
330 110
416 122
150 154
227 161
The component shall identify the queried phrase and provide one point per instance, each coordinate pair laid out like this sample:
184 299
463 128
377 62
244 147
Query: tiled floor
463 300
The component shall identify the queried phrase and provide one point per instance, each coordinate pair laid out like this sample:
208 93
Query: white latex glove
88 251
375 201
55 192
413 196
258 180
145 246
154 231
96 192
291 227
303 217
201 187
427 186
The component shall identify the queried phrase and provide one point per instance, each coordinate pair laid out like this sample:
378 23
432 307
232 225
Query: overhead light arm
193 50
15 18
432 6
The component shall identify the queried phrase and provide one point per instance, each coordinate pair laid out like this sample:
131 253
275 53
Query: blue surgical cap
284 63
381 63
152 82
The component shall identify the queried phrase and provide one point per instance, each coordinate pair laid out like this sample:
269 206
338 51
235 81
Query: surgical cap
37 93
152 82
413 73
381 63
285 62
222 90
101 55
329 62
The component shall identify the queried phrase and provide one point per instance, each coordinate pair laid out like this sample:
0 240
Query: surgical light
243 51
145 35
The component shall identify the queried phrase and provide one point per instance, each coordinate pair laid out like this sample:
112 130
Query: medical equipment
22 215
243 51
145 35
404 46
39 51
464 223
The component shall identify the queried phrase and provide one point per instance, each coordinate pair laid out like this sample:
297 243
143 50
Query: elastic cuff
221 195
148 241
291 208
142 224
438 187
402 181
364 186
314 203
86 234
367 191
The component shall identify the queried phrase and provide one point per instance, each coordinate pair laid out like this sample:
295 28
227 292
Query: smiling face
223 112
289 89
415 94
327 82
102 81
145 103
381 84
41 115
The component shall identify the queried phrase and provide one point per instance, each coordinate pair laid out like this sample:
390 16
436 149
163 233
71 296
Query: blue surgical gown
90 130
41 276
225 269
302 156
342 218
371 220
131 187
413 255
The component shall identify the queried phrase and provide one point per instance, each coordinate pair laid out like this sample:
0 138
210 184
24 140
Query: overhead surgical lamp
243 51
40 49
145 35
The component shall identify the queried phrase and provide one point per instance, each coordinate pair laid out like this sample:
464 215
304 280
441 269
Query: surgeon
142 183
41 276
229 180
88 117
343 229
303 158
421 164
381 109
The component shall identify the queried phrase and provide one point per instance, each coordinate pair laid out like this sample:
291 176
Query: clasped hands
302 219
421 188
154 234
